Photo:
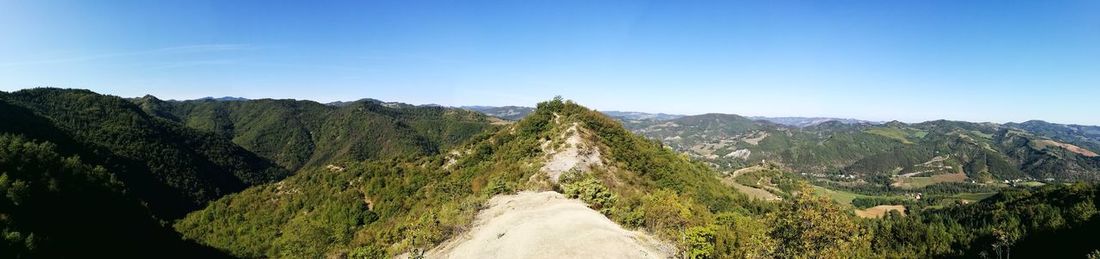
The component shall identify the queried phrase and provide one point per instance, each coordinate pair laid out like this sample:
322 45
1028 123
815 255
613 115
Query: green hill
409 205
836 151
1087 137
297 134
1053 221
172 168
83 174
56 206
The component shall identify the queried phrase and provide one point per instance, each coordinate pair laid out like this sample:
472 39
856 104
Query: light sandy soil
756 138
573 153
917 182
879 211
740 153
547 225
1070 147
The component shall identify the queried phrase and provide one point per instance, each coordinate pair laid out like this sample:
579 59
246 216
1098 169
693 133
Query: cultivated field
879 211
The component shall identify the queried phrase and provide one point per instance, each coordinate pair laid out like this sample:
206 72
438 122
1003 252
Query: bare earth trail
547 225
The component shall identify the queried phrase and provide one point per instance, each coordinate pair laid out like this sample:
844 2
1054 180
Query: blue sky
880 60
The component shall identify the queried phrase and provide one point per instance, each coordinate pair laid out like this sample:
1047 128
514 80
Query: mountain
222 99
296 134
512 113
57 206
84 174
516 112
172 168
1087 137
387 208
89 175
893 153
802 122
143 162
641 115
503 194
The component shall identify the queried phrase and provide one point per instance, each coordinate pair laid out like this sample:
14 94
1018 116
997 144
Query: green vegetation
1051 221
297 134
842 197
900 134
421 202
591 191
770 178
1087 137
55 206
984 152
974 196
88 175
172 168
813 227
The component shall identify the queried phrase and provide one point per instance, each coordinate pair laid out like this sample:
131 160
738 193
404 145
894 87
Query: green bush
591 191
699 242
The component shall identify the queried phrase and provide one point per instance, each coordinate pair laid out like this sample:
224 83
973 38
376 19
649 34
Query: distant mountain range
518 112
802 122
896 154
223 98
88 174
512 113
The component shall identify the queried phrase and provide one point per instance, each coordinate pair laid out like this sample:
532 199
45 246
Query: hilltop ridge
630 177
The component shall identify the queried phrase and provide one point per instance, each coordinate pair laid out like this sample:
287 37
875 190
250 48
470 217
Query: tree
811 226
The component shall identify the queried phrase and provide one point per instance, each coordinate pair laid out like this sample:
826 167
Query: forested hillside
407 206
83 174
57 206
134 165
889 153
1053 221
172 168
1087 137
414 204
297 134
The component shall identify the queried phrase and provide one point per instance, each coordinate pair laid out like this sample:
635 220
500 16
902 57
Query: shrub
591 191
699 242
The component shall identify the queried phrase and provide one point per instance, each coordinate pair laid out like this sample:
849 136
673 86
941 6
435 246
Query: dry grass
1071 148
918 182
879 211
754 193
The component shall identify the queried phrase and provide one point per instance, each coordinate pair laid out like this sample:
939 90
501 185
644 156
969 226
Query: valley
430 129
373 179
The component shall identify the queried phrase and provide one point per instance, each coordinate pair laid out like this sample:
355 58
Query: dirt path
547 225
574 153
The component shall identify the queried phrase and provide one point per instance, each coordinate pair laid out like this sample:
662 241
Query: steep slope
409 206
170 167
55 206
297 134
1082 136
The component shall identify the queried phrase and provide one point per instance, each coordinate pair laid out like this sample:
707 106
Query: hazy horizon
981 61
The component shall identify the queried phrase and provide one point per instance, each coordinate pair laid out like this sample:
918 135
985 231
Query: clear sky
880 60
